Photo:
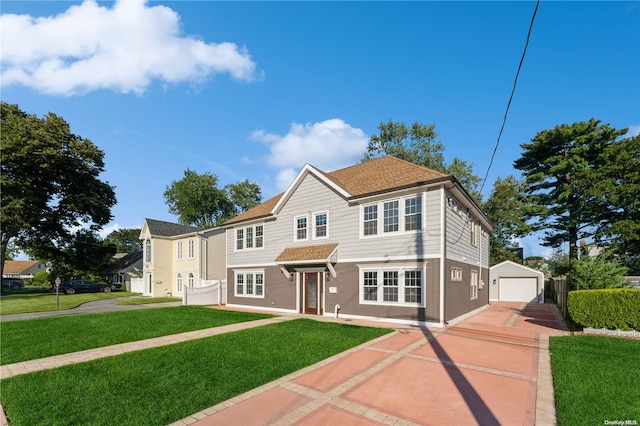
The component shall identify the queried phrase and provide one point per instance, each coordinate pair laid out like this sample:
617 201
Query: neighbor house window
179 283
249 283
456 274
190 279
179 250
147 250
474 285
320 225
384 285
413 214
301 228
190 253
370 225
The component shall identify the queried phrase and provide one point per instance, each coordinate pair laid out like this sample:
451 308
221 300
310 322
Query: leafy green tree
597 272
124 240
506 207
420 145
41 279
197 200
243 195
50 183
85 256
555 166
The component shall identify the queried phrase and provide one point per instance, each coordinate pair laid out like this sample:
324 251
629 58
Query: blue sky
228 87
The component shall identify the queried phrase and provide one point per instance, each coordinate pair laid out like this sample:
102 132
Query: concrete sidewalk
493 368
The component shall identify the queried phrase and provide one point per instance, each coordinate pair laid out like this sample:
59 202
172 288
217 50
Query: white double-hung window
399 215
401 285
250 237
249 283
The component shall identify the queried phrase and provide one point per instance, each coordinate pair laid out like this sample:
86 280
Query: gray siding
313 196
458 241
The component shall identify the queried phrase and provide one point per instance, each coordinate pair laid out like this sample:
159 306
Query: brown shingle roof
378 175
17 266
306 253
260 210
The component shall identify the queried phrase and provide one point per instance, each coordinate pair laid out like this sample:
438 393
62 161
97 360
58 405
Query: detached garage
512 282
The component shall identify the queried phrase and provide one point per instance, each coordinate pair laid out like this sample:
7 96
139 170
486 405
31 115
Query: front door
312 294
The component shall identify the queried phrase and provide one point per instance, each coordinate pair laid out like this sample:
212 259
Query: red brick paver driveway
493 368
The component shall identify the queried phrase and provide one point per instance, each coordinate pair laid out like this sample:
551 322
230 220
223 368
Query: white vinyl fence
137 285
212 292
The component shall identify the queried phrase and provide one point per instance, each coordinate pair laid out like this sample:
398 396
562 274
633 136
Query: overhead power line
513 90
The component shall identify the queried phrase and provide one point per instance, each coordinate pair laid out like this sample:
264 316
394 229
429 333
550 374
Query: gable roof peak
169 229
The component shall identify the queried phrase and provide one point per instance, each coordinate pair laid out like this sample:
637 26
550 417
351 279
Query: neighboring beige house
176 256
22 268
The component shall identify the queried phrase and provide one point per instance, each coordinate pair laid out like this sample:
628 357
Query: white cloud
328 145
633 131
123 48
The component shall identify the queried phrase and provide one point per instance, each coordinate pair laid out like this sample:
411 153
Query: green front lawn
147 300
22 303
162 385
39 338
596 379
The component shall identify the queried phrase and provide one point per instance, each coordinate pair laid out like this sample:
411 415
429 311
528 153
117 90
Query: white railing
212 292
137 285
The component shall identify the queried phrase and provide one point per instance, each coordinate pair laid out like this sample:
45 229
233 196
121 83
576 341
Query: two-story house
385 239
176 256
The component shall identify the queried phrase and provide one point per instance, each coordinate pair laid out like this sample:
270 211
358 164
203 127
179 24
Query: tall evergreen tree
555 165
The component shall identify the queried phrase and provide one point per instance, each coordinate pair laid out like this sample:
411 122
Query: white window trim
473 285
475 233
456 274
179 250
246 272
400 268
179 283
244 237
191 249
314 215
295 227
401 217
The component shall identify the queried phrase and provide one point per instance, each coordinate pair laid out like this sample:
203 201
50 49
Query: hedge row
615 309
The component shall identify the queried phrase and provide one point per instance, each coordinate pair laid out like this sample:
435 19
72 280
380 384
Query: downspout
443 252
336 309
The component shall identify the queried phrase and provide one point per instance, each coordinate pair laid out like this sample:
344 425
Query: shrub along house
385 239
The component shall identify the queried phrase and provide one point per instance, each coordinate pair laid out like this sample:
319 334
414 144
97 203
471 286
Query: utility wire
513 90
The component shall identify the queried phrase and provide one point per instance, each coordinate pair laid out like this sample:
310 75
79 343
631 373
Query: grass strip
596 379
146 300
162 385
27 303
39 338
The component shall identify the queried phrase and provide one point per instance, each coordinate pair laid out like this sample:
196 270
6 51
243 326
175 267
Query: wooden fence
560 294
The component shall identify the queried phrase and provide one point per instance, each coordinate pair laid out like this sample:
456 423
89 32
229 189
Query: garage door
518 289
